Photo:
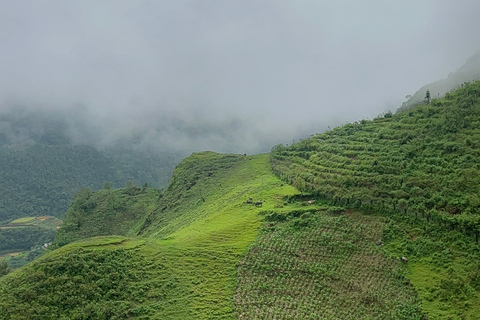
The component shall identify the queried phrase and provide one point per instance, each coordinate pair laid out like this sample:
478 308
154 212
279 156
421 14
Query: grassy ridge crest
185 270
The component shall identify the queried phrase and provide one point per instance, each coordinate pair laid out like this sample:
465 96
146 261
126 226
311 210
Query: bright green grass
206 252
23 220
185 270
443 266
446 293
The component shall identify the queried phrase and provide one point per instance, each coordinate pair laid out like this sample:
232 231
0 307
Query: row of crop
367 194
318 267
424 168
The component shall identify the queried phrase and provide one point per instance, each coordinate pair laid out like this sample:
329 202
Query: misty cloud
222 75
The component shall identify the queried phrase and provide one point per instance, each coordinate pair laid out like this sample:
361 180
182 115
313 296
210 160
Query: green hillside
423 161
204 252
373 220
186 271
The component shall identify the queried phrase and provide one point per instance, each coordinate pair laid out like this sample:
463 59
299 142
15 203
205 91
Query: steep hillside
424 161
420 168
385 226
185 270
201 256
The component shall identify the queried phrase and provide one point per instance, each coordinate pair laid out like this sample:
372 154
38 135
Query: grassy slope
185 271
107 212
419 163
205 253
443 266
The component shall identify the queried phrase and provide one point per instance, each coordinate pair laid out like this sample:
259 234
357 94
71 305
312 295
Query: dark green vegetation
47 157
40 180
107 212
4 268
423 161
42 165
23 233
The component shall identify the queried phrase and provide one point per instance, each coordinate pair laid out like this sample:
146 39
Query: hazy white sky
269 69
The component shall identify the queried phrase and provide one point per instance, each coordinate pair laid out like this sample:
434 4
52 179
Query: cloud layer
228 75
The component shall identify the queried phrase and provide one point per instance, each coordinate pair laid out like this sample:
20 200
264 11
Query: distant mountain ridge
470 71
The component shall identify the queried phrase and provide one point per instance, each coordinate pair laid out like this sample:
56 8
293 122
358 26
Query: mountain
469 72
205 251
373 220
422 161
43 164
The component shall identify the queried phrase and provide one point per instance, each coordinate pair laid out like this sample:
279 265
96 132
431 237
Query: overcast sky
270 70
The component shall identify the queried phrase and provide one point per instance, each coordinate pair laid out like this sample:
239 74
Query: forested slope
42 166
107 212
423 161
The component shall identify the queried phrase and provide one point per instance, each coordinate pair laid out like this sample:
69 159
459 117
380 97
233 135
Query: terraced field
422 161
420 168
43 221
23 239
323 266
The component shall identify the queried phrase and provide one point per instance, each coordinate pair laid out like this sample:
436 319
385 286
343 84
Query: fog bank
226 76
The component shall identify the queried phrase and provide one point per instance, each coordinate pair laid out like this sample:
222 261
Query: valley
372 220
